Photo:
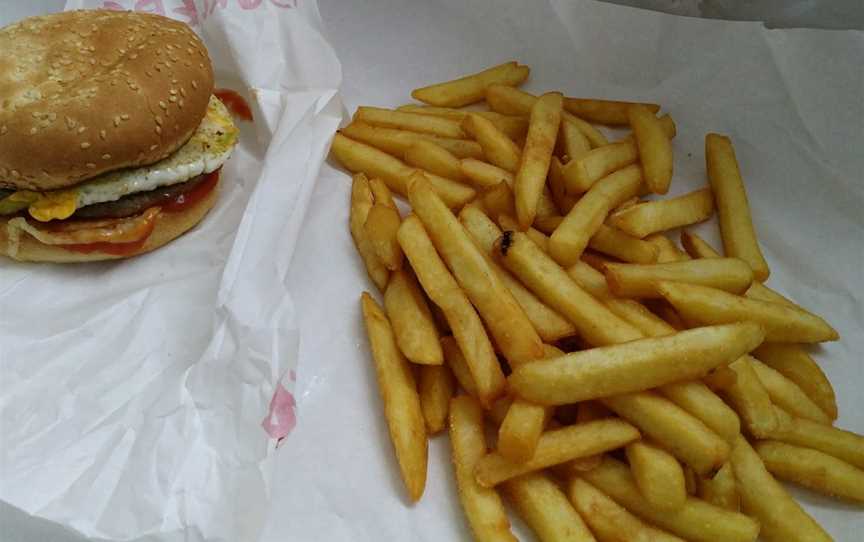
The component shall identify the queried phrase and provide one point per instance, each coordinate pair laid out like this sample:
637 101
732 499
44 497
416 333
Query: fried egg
208 148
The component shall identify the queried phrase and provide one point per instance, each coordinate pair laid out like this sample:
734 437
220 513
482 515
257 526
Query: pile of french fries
639 392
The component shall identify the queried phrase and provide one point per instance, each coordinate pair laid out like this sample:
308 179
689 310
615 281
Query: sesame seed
82 129
182 91
163 105
85 145
116 121
195 85
148 74
3 130
158 130
124 116
91 165
106 156
172 92
153 147
102 135
158 120
15 173
33 131
172 99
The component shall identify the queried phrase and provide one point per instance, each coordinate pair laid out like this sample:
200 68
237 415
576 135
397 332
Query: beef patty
137 203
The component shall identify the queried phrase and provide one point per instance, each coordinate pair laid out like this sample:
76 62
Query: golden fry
658 475
634 366
484 175
697 399
581 173
587 215
412 320
655 150
638 280
399 394
787 395
844 445
609 112
618 244
666 250
498 149
763 497
750 399
482 506
435 159
436 389
458 366
521 429
361 203
813 469
397 142
655 216
471 88
381 226
736 225
443 290
558 446
536 155
712 306
696 520
424 124
682 434
795 363
545 508
720 490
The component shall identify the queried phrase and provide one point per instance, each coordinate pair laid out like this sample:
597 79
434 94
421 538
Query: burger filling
121 206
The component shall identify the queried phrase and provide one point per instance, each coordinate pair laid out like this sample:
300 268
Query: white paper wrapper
790 100
132 393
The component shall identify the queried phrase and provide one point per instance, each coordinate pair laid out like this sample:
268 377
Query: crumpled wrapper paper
134 395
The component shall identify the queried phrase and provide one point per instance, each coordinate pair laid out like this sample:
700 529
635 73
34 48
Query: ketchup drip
235 103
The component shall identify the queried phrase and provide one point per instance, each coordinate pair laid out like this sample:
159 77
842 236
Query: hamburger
111 140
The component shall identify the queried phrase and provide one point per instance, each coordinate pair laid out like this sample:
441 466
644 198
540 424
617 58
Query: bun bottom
169 226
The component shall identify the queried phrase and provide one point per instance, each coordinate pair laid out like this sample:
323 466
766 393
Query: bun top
86 92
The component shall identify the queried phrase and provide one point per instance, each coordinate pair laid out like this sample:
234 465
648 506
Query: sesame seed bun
86 92
169 226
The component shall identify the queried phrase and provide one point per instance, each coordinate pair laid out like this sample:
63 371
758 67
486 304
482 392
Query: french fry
782 518
697 399
787 395
573 142
573 234
458 366
413 122
655 150
435 159
697 247
512 101
609 521
545 508
482 506
712 306
751 400
666 124
557 446
593 321
563 200
399 394
720 489
499 410
690 479
655 216
609 112
505 319
844 445
666 249
521 429
498 200
696 520
581 173
484 175
733 209
639 316
471 88
795 364
536 155
550 325
381 226
443 290
396 142
507 222
658 475
547 224
640 280
682 434
436 389
361 204
587 411
618 244
498 149
359 157
412 321
589 279
514 126
634 366
812 469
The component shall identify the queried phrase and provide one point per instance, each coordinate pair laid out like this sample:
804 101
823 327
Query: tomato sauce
115 249
235 103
